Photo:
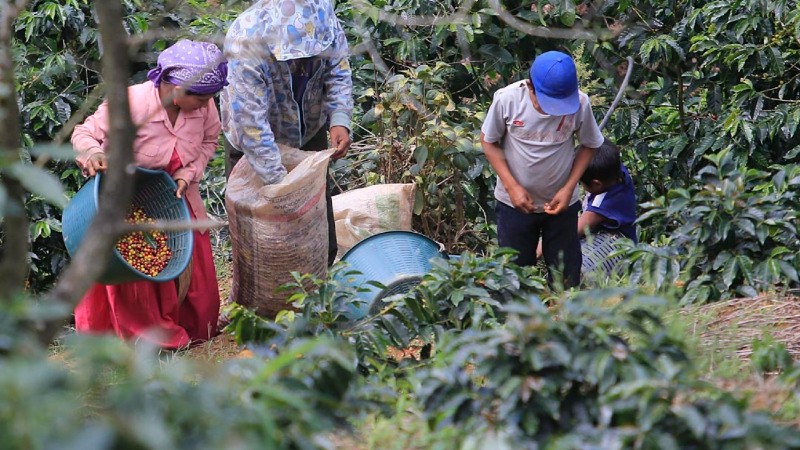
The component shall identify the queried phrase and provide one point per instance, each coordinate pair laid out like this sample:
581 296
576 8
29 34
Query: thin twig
170 225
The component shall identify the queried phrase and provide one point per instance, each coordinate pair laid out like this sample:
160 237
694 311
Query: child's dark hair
605 164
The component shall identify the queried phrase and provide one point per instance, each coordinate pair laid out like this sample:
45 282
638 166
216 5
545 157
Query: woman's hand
340 138
559 203
96 163
182 186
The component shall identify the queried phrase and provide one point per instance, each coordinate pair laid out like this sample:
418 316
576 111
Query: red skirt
152 311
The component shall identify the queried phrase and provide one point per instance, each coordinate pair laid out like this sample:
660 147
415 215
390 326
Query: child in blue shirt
610 203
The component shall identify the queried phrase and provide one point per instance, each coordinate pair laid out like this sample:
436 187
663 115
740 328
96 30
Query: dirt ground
223 346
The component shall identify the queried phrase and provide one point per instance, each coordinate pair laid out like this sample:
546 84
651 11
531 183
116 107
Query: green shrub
545 372
99 393
458 294
595 371
732 232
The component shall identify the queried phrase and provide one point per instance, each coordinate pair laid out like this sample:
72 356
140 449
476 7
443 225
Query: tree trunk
117 187
14 263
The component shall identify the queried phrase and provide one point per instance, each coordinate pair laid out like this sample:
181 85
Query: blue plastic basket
596 250
154 192
396 259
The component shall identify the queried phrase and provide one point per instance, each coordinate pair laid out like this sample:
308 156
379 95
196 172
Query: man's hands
182 186
340 139
96 163
559 203
520 199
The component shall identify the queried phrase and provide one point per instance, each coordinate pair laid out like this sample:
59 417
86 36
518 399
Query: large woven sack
361 213
277 229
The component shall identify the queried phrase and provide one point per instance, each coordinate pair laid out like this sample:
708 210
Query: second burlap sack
363 212
277 229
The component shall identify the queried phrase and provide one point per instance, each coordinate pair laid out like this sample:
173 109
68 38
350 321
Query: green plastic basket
154 192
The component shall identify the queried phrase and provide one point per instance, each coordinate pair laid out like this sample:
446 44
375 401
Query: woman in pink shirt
178 128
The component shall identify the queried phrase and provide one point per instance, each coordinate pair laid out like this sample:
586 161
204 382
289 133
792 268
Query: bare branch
8 14
545 32
367 45
92 100
172 225
153 35
117 188
620 93
404 19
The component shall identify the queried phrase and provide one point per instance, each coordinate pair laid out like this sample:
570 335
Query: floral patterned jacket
258 107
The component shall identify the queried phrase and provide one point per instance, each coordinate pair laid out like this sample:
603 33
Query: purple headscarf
199 67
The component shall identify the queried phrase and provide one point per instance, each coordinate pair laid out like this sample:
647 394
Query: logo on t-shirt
518 123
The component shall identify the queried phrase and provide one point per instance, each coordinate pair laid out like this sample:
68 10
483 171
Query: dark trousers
561 246
317 143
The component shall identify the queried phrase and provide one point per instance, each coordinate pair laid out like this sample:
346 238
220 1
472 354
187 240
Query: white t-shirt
539 148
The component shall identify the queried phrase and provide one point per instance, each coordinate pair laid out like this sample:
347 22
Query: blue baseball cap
556 83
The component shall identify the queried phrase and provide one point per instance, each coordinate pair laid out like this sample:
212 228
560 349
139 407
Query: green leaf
39 182
747 227
149 239
421 154
677 205
693 419
788 270
568 18
747 291
419 202
729 272
747 127
791 154
461 162
496 52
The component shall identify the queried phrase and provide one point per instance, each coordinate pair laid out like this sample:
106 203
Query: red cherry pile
145 251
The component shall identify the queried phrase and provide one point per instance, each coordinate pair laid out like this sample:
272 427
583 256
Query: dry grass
724 333
765 394
222 347
736 323
217 350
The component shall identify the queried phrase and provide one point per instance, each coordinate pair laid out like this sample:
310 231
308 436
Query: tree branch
545 32
13 266
410 20
117 187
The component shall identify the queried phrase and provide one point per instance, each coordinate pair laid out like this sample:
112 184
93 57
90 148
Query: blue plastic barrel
396 259
154 192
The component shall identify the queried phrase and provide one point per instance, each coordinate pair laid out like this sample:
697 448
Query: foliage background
709 78
709 128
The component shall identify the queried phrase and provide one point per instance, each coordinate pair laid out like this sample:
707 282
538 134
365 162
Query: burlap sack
360 213
277 229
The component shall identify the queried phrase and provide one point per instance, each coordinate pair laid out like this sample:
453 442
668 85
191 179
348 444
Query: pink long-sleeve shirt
194 137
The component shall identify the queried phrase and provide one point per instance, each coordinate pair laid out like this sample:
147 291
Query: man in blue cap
529 138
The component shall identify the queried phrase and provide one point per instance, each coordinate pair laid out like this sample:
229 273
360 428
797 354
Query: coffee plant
595 371
464 293
709 131
733 232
